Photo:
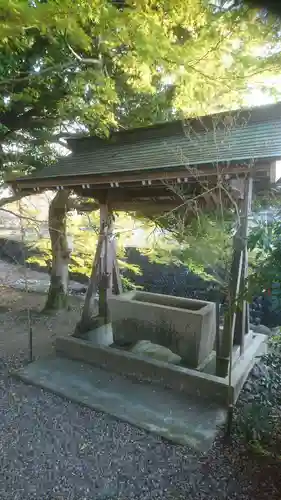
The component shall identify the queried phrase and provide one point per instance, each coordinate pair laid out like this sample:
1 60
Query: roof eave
153 175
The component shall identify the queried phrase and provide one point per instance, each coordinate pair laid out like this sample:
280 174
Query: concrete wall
185 326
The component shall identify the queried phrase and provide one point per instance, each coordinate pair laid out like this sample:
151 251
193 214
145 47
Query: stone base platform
99 351
182 405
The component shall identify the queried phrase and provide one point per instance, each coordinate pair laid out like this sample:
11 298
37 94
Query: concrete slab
176 378
174 416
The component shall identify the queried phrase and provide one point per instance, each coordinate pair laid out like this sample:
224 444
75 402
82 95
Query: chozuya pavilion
148 170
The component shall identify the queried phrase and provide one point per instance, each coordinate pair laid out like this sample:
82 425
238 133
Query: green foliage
258 421
273 360
83 231
265 257
86 67
203 246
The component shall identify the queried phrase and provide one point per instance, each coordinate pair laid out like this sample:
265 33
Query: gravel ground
52 449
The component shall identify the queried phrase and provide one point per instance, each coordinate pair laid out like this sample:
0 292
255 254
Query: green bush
258 420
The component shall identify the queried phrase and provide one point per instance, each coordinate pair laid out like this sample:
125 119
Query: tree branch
24 217
11 199
84 60
51 69
44 71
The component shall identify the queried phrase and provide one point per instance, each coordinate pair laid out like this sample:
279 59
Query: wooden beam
145 207
134 177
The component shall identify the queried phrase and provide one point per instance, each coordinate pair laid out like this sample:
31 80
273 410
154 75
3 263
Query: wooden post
244 314
106 263
100 280
218 335
222 361
242 320
85 323
236 316
116 278
93 283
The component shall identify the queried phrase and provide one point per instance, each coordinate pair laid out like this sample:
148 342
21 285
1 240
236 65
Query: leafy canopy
85 67
68 68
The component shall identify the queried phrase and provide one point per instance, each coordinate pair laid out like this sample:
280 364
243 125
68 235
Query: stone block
185 326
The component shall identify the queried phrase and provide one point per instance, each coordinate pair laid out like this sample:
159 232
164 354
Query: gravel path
51 449
16 276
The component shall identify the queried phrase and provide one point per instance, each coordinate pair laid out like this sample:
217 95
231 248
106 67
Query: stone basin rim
132 297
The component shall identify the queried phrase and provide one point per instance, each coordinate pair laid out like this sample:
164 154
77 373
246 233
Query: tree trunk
58 291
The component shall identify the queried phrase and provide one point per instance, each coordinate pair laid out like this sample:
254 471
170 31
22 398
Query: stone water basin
185 326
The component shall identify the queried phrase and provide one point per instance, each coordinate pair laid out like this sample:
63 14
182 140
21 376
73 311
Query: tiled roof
236 136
